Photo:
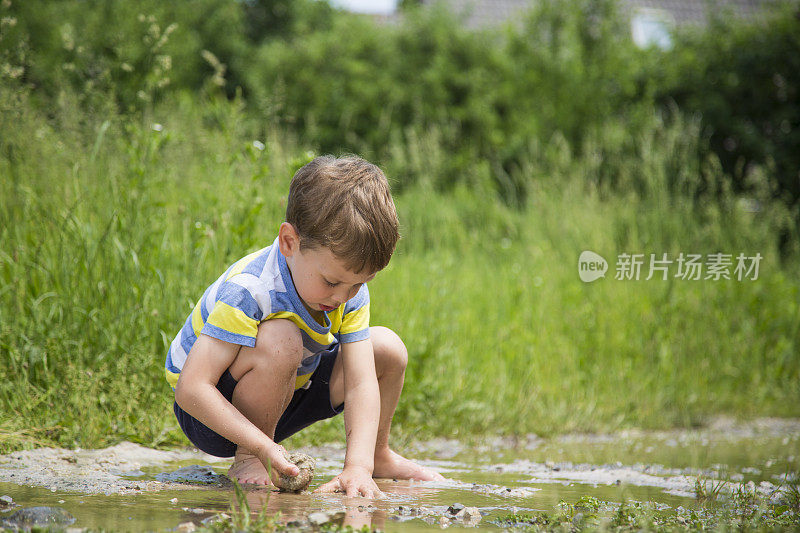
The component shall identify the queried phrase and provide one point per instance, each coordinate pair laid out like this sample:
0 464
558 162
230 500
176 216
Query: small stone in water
455 508
186 527
6 500
39 517
318 518
472 516
174 500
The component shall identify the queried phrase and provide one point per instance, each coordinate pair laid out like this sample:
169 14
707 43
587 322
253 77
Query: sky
367 6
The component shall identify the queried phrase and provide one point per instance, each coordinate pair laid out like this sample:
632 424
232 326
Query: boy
282 338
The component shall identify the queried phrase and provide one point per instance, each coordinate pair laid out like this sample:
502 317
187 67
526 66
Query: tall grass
111 227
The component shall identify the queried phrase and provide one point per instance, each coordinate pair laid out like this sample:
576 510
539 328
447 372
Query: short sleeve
355 322
235 315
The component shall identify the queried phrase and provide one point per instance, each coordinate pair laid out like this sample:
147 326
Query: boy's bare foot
247 468
389 464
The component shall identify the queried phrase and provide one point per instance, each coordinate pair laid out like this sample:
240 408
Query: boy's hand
353 481
275 456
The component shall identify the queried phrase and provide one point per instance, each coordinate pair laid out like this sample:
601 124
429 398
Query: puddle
145 490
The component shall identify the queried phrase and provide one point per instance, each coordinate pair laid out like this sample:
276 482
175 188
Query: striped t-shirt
256 288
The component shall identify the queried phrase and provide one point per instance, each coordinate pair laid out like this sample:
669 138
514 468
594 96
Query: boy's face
321 279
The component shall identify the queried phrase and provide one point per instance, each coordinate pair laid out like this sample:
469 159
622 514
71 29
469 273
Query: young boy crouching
282 338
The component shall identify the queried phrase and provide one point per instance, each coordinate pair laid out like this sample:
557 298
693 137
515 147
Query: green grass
746 510
110 231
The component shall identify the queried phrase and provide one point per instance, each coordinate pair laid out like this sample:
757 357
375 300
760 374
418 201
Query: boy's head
344 205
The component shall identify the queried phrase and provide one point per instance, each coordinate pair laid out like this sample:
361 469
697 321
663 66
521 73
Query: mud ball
297 483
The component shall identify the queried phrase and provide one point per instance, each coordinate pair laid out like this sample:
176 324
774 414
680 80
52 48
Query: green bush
118 208
567 72
486 95
135 51
743 80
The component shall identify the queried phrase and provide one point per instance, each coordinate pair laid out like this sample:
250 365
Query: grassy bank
112 226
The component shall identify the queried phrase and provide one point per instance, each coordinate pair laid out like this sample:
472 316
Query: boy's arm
361 414
196 392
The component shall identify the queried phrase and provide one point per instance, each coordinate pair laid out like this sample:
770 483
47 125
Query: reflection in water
356 512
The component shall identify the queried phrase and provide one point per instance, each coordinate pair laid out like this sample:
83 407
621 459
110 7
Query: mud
112 470
164 489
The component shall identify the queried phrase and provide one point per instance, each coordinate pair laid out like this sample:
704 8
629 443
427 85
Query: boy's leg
391 359
266 377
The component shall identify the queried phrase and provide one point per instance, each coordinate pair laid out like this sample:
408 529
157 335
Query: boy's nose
339 297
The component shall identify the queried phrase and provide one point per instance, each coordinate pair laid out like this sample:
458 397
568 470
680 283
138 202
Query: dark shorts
307 406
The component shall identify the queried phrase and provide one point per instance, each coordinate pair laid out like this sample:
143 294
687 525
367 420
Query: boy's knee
388 348
279 348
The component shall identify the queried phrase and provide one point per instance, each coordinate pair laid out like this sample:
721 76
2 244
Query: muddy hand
277 458
353 482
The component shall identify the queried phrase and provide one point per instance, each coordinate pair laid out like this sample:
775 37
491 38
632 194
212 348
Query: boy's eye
330 284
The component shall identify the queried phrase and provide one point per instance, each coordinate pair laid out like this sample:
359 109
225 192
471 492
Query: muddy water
498 477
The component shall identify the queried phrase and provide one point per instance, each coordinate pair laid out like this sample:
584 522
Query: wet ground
128 487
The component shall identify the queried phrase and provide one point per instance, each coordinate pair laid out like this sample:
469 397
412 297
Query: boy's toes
426 474
249 470
436 476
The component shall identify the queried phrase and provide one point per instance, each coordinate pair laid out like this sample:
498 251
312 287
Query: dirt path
105 471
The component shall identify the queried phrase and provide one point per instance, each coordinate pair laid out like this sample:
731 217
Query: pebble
186 527
472 516
6 500
191 474
38 517
319 518
455 508
215 518
174 500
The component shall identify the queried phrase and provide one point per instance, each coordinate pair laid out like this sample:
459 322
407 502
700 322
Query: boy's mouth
326 308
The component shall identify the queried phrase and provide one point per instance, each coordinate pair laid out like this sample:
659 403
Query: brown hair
345 205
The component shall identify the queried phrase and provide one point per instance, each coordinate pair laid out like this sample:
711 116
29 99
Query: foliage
117 211
111 229
751 513
282 19
743 79
707 490
485 95
562 74
133 51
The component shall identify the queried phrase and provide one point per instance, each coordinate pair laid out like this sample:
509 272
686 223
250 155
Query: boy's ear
288 240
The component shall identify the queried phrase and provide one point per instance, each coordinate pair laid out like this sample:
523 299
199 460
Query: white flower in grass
156 127
259 145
